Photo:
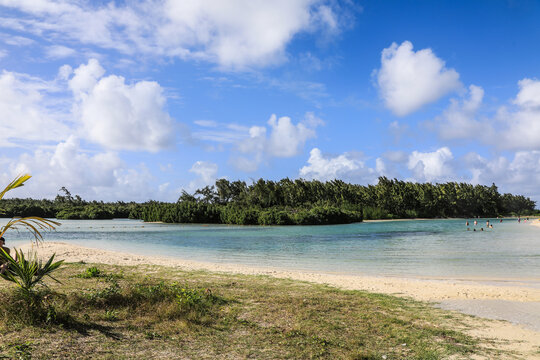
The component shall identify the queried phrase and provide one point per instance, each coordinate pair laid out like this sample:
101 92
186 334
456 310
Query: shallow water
425 248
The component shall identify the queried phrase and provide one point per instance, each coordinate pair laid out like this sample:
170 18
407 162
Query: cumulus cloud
348 167
282 139
518 175
101 175
234 34
514 127
529 94
287 139
103 109
206 174
121 116
460 121
85 77
408 80
431 166
521 125
26 111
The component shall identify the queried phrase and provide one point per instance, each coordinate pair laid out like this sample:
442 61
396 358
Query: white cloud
102 176
64 72
26 111
121 116
234 34
206 172
409 80
520 175
529 94
431 166
206 123
59 52
287 139
348 167
521 126
514 127
104 110
15 40
86 77
219 132
282 139
459 121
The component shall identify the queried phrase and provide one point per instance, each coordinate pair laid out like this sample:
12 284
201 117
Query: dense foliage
288 202
66 207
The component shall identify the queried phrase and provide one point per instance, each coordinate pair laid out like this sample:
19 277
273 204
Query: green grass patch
159 312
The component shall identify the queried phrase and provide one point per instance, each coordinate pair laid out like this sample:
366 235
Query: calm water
413 248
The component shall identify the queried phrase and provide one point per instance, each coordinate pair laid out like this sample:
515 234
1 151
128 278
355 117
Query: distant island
291 202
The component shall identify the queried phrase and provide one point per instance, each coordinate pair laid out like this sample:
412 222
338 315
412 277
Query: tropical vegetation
27 272
288 202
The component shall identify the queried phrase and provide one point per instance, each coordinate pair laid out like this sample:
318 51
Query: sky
139 100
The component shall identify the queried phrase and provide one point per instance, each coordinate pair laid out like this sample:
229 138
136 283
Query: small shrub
21 351
190 299
166 301
111 315
91 272
33 308
109 295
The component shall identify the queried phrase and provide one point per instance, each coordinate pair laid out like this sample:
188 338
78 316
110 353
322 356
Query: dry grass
121 312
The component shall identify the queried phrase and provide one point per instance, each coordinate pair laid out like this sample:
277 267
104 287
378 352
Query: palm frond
19 181
27 272
34 224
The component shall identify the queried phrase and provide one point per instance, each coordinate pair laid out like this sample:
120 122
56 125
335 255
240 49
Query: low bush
164 300
91 272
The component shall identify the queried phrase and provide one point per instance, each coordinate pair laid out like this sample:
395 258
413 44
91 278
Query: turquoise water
432 248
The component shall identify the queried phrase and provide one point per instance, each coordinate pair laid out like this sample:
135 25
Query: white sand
525 341
418 289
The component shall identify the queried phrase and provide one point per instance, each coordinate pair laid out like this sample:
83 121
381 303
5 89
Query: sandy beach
517 302
431 290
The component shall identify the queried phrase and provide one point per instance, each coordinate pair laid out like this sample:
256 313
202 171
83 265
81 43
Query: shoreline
516 306
418 288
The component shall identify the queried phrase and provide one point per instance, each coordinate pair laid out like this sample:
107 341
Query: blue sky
139 100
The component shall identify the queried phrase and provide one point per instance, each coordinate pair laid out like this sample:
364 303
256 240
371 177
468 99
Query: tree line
288 202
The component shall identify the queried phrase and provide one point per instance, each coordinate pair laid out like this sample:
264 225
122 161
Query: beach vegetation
26 272
91 272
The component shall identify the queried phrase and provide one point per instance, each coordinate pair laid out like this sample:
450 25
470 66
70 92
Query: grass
159 312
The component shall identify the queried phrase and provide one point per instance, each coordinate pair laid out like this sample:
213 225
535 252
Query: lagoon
416 248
